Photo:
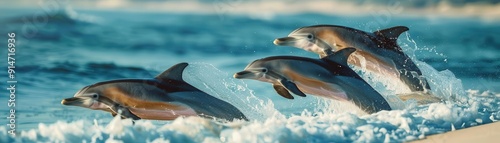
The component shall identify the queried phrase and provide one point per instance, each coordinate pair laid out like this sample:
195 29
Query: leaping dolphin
165 97
379 49
328 77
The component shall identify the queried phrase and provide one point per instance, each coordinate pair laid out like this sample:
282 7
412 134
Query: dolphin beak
243 74
73 101
285 41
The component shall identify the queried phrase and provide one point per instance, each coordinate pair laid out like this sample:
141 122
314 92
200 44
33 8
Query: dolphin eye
264 70
310 36
95 95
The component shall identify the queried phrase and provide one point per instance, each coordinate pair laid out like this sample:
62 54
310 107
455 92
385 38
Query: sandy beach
488 133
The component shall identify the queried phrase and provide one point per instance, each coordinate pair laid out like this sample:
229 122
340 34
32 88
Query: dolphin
165 97
328 77
377 52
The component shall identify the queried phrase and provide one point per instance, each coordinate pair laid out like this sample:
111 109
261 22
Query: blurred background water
63 46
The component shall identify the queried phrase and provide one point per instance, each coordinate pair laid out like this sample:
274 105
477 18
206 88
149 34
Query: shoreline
487 133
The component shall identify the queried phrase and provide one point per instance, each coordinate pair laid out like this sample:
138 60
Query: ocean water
60 51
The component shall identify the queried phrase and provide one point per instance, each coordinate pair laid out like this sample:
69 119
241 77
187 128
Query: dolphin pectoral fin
173 73
127 114
340 56
292 87
282 91
134 117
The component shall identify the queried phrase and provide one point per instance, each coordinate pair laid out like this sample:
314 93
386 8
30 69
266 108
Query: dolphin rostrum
377 52
165 97
328 77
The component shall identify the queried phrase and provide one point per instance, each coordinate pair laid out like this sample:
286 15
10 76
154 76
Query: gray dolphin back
357 89
364 96
204 104
409 73
386 39
208 106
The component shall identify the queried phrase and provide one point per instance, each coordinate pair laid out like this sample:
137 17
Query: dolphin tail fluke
173 73
340 56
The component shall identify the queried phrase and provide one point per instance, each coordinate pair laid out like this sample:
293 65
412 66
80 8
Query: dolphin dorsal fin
390 36
340 56
391 33
173 73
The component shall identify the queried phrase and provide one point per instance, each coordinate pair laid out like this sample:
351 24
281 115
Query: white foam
332 123
385 126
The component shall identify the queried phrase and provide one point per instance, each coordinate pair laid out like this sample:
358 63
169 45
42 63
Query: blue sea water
70 49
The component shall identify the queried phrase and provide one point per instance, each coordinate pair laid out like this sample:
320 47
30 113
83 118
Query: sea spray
392 126
223 86
443 84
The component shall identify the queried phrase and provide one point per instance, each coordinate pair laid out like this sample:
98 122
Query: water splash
443 84
225 87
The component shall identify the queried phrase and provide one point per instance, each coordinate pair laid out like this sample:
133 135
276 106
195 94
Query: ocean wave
429 3
485 68
483 9
326 122
385 126
72 52
49 26
74 71
63 15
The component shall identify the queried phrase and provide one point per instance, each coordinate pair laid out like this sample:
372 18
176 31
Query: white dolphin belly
332 92
162 114
373 64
